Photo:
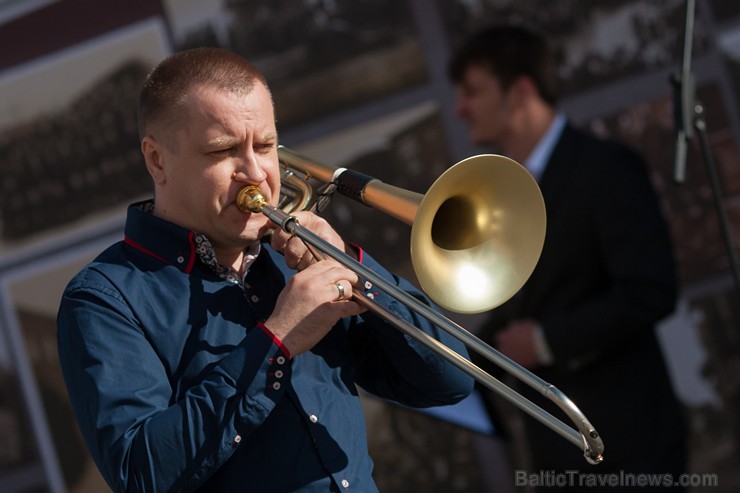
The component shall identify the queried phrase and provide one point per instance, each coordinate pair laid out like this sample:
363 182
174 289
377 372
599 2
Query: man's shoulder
102 271
591 143
597 157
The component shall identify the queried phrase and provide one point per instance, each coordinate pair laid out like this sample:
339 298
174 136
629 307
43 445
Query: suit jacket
605 277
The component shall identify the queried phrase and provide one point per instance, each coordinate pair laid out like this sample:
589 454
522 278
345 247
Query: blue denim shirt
178 387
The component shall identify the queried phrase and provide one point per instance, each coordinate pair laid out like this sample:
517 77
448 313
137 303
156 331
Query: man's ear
152 151
524 88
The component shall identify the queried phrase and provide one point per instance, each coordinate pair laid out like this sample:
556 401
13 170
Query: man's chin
475 138
252 234
479 139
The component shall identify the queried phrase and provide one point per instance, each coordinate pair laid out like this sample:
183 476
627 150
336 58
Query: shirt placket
312 418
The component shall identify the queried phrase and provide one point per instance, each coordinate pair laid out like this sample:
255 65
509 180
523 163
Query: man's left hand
516 341
297 255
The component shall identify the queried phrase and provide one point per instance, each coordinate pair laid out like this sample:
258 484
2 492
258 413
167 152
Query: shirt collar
178 246
537 160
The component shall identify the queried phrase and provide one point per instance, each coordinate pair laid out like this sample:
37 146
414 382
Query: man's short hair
168 84
509 51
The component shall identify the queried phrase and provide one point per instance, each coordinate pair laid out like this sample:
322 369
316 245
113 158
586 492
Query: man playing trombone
198 356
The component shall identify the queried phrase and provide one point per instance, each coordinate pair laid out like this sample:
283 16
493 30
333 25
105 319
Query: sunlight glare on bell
473 282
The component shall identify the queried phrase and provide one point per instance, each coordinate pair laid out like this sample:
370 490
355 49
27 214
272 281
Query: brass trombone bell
476 235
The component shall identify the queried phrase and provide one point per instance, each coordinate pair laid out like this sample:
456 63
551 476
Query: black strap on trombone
352 183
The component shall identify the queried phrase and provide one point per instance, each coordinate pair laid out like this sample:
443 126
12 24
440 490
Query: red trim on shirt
275 339
360 251
191 260
132 243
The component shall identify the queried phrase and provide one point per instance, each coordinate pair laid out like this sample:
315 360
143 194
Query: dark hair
167 85
509 51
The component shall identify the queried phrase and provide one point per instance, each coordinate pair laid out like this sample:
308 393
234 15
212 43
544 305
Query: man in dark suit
585 319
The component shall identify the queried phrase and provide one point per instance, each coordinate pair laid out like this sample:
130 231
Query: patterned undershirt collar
207 254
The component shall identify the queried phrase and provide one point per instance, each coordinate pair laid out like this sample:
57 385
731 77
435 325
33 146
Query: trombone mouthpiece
250 199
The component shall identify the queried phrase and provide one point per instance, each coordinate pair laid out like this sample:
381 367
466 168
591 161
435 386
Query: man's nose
249 169
460 107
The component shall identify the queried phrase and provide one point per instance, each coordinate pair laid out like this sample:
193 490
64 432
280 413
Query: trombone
476 236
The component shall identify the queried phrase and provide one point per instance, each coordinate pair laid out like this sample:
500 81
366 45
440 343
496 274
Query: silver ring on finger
340 288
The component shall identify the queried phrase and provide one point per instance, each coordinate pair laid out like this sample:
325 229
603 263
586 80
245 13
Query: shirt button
276 386
313 418
180 259
345 483
279 374
237 439
280 360
368 285
254 298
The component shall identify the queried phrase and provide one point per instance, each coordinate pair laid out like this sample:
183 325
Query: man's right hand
310 305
